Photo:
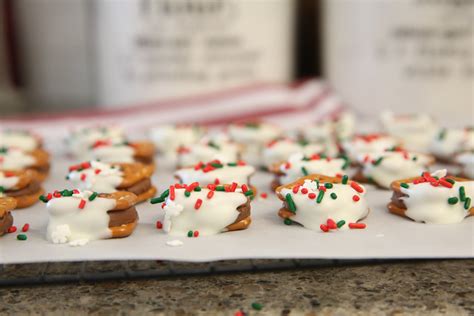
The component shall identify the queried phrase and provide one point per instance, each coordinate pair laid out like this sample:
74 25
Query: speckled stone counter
427 287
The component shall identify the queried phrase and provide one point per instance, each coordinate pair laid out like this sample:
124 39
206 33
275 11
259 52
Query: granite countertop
415 287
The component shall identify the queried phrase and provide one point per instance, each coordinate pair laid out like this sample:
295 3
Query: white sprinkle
174 243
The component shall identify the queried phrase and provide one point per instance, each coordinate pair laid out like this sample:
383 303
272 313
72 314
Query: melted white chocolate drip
105 181
296 164
311 214
225 175
211 218
70 224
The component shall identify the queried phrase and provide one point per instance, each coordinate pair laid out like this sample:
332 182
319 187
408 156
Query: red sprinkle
172 193
357 225
25 228
82 204
217 181
210 194
159 225
322 188
331 224
312 196
83 177
356 187
241 163
244 188
324 228
296 189
263 195
86 165
445 183
196 233
233 187
97 171
198 166
11 229
287 165
315 157
198 203
304 190
355 198
163 205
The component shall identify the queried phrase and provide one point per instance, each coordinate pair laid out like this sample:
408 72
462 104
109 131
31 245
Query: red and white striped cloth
287 105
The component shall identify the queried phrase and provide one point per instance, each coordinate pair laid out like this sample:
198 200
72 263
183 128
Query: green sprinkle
288 221
378 161
187 193
257 306
453 200
462 193
67 177
21 237
214 145
291 203
341 223
165 194
232 164
252 125
217 165
450 180
415 158
306 159
93 196
248 193
328 185
43 199
222 188
404 185
320 197
197 189
304 171
333 196
345 178
2 189
442 134
157 200
467 203
67 193
303 142
190 233
3 150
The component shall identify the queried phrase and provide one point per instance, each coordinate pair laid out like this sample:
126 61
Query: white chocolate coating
80 141
168 138
393 166
200 152
466 160
345 126
414 131
7 183
112 153
16 159
106 181
254 139
448 142
18 139
281 150
358 146
70 224
311 214
429 204
226 175
294 170
211 218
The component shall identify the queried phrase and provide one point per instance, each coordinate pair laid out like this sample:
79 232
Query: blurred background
402 55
